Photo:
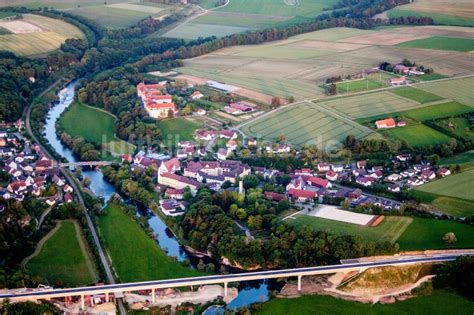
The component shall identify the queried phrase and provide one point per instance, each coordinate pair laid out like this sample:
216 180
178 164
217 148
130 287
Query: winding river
251 292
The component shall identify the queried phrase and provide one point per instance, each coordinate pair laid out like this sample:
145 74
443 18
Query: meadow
417 135
457 185
441 43
416 95
135 256
304 124
457 125
428 234
195 30
96 125
389 230
437 111
465 160
372 104
53 33
63 258
440 302
178 129
459 90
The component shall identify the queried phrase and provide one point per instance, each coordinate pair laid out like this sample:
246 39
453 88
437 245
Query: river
251 292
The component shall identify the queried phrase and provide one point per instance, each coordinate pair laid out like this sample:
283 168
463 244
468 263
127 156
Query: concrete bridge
85 163
360 265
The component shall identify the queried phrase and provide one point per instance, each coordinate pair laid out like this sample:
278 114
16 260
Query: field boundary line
405 225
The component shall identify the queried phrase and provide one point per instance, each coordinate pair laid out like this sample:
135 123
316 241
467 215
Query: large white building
155 103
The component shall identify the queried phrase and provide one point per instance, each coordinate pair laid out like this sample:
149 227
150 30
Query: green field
440 302
459 126
276 7
438 18
372 104
428 234
449 109
465 159
27 44
370 82
239 20
416 95
459 90
63 259
417 135
56 4
457 185
303 124
97 126
178 129
389 230
282 52
441 43
135 256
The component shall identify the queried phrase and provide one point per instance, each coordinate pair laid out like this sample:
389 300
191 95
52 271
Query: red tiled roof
299 193
316 181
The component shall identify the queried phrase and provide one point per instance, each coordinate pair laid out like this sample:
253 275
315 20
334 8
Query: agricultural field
298 65
417 135
457 186
441 43
372 104
34 34
97 126
129 242
56 4
437 111
459 90
416 95
465 159
446 12
63 257
278 8
440 302
389 229
428 234
305 124
194 30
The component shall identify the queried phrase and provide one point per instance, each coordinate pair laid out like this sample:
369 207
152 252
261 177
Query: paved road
75 186
218 279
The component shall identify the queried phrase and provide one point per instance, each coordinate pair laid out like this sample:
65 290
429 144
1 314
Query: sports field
369 82
389 229
457 89
63 258
135 256
417 135
440 302
304 124
36 34
457 12
441 43
416 95
372 104
95 126
457 185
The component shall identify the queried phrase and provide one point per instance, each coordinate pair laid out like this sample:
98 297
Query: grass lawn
178 129
457 185
135 256
370 82
389 230
441 43
437 111
417 135
62 258
440 302
415 94
428 234
95 126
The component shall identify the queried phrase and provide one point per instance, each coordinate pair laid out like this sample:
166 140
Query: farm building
385 123
397 81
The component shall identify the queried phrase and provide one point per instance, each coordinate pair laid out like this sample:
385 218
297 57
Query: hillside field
441 43
135 256
457 185
304 124
96 126
63 259
41 35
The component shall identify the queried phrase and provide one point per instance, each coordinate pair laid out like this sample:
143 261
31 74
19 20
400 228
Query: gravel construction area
333 213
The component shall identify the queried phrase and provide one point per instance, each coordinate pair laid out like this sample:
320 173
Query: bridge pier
106 297
299 283
153 296
82 303
225 289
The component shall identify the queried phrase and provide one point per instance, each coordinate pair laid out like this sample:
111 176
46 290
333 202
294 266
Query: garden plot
333 213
